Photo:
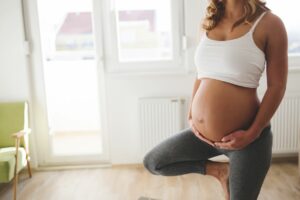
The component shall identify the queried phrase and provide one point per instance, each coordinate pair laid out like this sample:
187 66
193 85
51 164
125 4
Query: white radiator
286 125
159 118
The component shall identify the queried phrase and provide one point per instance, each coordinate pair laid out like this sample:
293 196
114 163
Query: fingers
227 138
194 129
200 136
207 141
225 145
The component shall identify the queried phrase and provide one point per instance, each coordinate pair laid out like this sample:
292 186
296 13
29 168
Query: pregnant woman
241 39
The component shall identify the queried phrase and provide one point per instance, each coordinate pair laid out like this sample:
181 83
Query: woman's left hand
236 140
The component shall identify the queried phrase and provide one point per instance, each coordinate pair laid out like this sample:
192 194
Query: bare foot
219 170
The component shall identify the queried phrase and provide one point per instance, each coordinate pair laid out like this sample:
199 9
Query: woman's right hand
198 134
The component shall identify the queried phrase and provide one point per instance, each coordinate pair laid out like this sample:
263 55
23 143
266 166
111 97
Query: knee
150 164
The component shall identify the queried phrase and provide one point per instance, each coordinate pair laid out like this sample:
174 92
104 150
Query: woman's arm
277 70
195 88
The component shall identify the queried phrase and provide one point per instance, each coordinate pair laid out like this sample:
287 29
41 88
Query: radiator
286 126
159 118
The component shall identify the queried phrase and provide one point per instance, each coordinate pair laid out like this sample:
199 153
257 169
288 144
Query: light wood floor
133 182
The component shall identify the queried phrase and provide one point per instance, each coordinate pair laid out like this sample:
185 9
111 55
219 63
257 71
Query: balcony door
73 82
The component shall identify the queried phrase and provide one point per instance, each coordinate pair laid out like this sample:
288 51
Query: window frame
111 60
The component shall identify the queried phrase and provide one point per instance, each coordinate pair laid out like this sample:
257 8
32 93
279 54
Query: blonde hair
216 9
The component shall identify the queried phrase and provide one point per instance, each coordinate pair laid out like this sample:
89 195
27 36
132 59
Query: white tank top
238 61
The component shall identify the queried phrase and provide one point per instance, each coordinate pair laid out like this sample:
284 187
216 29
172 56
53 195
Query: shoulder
276 40
272 30
273 24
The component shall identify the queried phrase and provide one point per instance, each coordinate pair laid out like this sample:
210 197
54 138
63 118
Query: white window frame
111 59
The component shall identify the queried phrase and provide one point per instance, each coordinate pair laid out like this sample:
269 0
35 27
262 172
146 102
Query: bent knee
150 164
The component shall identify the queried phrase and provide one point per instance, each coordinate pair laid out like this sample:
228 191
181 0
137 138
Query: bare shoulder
273 24
276 49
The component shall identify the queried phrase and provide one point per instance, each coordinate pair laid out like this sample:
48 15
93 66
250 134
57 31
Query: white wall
13 74
122 91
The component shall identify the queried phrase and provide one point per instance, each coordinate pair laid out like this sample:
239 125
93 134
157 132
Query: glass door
71 80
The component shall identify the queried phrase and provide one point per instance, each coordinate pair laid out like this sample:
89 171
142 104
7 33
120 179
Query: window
289 13
144 30
144 35
69 30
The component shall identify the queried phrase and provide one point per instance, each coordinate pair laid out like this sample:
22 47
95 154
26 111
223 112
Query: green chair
14 151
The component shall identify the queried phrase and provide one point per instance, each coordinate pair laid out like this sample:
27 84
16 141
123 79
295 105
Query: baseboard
285 157
129 165
70 167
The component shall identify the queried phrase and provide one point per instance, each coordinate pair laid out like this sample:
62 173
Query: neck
234 8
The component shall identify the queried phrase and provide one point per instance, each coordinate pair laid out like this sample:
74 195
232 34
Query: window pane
289 13
69 29
144 30
75 32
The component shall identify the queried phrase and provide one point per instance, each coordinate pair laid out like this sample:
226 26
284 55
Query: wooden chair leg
28 166
15 187
16 171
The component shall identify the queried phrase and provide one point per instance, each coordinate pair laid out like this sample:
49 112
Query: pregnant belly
218 108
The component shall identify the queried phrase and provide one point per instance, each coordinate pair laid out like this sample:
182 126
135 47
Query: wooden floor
134 182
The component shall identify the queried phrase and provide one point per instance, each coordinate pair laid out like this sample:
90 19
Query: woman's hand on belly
236 140
198 134
223 108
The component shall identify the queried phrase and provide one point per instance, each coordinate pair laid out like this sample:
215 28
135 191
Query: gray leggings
184 153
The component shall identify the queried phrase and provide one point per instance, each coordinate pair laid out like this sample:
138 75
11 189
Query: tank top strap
256 22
